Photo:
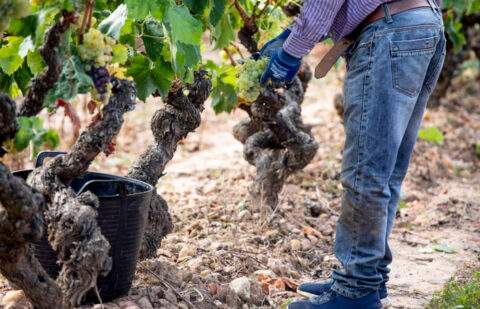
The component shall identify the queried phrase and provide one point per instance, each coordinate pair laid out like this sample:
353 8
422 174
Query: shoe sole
386 303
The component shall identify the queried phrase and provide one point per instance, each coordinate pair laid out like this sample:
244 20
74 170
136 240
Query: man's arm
311 26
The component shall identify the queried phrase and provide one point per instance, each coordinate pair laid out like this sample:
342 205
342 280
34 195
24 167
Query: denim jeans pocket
410 60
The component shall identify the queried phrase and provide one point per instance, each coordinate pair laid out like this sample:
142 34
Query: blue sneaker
314 289
333 300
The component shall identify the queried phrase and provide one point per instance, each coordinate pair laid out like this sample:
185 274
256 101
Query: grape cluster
96 50
248 83
101 80
12 9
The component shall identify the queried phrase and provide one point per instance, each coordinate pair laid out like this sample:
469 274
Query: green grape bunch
248 83
96 50
12 9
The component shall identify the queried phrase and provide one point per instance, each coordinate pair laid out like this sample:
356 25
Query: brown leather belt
342 45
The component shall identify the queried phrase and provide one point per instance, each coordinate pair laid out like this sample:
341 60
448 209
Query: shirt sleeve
312 26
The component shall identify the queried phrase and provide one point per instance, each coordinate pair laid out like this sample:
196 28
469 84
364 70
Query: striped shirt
322 19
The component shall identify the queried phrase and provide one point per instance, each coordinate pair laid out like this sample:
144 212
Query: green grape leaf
127 34
153 38
150 76
120 54
197 6
26 46
72 81
223 32
217 10
31 24
141 9
22 77
25 133
112 25
8 85
453 29
224 98
183 26
35 62
10 60
432 134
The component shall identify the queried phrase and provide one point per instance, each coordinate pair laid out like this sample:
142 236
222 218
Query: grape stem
238 49
87 19
232 61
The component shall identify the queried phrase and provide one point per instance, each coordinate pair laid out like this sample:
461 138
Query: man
393 66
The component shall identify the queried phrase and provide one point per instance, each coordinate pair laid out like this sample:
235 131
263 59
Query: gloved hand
277 42
267 49
282 67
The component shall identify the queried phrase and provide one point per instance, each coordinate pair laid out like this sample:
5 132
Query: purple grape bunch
101 81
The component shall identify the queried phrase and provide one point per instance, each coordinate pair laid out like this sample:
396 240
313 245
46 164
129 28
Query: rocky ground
226 252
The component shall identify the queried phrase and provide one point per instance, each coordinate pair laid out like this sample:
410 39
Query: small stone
187 251
241 286
266 272
128 305
14 299
271 235
306 244
195 264
326 230
295 245
182 305
144 303
212 287
218 303
170 297
244 215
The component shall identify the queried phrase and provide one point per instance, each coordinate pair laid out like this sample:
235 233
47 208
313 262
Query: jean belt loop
434 6
388 16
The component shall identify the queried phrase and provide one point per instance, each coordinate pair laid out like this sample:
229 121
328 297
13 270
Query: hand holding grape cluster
271 64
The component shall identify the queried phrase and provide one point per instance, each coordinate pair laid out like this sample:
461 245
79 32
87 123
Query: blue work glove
276 43
266 50
281 68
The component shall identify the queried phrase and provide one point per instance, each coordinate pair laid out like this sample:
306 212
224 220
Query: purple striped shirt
322 19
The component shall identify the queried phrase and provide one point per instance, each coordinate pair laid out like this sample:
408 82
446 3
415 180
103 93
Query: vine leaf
35 62
184 27
217 10
197 6
10 60
112 25
72 81
153 33
224 98
224 33
141 9
150 76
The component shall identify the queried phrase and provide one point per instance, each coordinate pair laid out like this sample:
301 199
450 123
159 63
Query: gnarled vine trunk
276 141
180 116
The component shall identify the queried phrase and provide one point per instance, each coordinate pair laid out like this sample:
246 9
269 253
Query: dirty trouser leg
391 65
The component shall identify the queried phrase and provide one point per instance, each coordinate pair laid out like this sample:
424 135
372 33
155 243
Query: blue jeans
392 69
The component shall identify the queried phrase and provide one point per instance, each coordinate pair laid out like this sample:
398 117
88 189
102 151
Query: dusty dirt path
415 274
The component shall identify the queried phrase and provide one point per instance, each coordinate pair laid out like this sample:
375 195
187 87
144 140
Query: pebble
187 251
195 264
241 286
306 244
169 296
144 303
266 273
295 245
14 299
244 215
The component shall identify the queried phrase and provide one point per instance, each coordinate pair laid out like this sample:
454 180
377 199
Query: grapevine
12 9
96 52
249 74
